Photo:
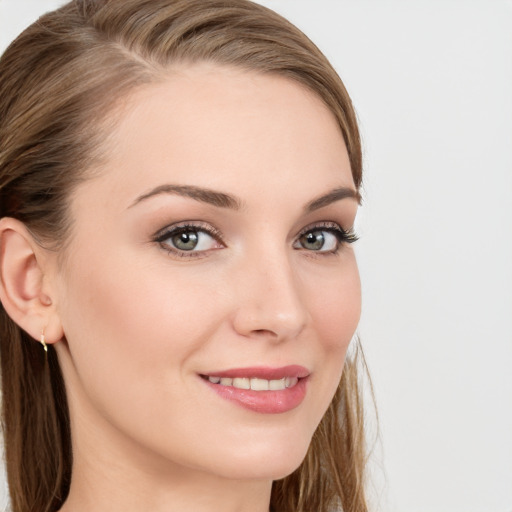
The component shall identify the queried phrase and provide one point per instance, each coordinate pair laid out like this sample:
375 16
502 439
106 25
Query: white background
432 83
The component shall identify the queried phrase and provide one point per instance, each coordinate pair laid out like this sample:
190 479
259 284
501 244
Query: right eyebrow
204 195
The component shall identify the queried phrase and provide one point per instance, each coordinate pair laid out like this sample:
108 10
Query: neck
187 493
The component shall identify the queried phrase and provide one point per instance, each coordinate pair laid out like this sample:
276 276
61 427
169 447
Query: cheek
336 307
335 311
135 331
131 326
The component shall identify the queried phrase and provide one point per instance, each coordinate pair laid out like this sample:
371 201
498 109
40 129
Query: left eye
188 240
320 240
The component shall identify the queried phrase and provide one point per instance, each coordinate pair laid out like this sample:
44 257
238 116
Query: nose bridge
272 301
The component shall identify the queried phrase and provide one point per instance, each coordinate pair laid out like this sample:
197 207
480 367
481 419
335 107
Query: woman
179 181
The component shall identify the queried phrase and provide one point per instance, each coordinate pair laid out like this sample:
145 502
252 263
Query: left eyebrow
334 195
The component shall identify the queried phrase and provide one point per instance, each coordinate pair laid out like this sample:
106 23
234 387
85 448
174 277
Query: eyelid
192 225
333 227
343 236
173 229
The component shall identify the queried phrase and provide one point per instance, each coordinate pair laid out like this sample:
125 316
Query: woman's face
212 245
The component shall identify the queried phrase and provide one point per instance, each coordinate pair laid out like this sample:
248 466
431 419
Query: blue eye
189 239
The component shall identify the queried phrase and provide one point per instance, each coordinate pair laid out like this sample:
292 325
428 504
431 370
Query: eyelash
343 236
171 231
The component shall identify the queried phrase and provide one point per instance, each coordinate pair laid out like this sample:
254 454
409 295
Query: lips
261 389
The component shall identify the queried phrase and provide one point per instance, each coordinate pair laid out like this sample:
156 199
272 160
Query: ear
24 290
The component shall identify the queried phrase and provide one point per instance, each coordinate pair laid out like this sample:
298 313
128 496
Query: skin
140 322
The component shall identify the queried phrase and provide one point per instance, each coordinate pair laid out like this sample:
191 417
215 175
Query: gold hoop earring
43 342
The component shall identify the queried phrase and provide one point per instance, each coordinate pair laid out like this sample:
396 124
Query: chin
265 460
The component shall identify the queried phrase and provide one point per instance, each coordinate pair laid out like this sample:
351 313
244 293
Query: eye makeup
192 239
313 238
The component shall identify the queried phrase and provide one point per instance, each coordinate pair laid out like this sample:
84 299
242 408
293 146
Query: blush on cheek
339 315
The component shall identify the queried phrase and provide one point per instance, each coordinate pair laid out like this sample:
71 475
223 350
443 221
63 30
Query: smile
260 389
255 383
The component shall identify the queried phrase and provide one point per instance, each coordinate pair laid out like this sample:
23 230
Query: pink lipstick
261 389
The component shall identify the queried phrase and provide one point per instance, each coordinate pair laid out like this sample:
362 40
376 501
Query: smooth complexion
256 169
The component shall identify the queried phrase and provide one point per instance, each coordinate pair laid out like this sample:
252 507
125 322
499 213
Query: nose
269 300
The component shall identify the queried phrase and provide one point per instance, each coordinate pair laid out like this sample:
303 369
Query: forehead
225 128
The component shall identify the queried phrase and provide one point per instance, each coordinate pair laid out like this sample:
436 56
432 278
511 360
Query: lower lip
265 402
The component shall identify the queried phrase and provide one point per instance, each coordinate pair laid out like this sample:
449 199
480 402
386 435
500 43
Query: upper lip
263 372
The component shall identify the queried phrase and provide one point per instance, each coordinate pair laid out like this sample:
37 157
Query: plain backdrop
432 84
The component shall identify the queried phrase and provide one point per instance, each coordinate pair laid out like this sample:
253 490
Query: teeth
256 384
276 385
259 384
291 381
242 383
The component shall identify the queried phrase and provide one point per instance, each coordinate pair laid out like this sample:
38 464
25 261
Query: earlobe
21 282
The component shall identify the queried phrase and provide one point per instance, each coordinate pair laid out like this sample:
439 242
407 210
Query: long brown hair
59 83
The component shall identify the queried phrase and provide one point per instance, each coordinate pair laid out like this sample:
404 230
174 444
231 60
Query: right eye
189 239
